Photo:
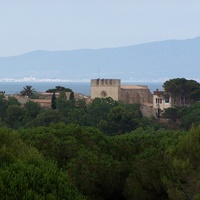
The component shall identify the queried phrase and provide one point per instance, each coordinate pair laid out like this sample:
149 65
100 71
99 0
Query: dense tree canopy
184 91
59 89
25 174
144 164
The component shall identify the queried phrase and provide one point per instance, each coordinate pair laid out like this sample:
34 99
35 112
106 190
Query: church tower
103 88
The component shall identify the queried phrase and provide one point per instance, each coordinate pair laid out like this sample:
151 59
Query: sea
77 87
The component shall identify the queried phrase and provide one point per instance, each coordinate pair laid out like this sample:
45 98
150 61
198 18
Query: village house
162 100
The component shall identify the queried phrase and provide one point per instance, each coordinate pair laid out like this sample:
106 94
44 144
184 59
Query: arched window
103 94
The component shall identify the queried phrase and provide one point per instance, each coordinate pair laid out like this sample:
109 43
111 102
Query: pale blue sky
28 25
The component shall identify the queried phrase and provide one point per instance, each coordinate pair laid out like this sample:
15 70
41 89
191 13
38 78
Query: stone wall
102 88
135 94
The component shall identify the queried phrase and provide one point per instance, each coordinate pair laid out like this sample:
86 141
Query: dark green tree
120 120
71 97
28 91
72 101
47 117
3 106
172 114
190 116
185 92
14 116
181 175
32 109
53 101
99 109
13 101
59 89
25 174
62 103
80 103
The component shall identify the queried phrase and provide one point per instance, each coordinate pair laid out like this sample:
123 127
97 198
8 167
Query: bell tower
103 88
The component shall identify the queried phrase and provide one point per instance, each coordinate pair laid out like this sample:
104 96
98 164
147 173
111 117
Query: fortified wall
136 94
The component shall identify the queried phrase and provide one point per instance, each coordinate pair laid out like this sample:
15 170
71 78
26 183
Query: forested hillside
70 162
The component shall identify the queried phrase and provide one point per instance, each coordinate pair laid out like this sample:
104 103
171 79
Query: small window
158 101
167 100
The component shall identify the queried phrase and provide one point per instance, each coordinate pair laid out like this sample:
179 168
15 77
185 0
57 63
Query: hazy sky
28 25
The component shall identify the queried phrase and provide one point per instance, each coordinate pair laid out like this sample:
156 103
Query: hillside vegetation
104 150
73 162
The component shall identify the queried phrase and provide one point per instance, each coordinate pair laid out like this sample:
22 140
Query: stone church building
129 94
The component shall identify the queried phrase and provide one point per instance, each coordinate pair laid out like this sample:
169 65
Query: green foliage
28 91
94 173
182 176
99 109
25 174
80 103
190 116
78 116
14 116
59 89
62 103
3 106
172 114
80 152
47 117
13 101
99 165
139 161
120 120
71 97
63 137
183 91
97 114
144 164
186 116
32 109
53 101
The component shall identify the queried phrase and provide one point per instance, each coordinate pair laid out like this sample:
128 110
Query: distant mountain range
145 62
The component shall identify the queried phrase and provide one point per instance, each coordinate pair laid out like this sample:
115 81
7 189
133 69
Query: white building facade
161 101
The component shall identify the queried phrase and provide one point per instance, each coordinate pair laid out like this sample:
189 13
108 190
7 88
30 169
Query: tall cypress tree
53 101
71 97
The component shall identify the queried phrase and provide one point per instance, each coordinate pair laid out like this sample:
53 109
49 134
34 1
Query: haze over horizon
53 25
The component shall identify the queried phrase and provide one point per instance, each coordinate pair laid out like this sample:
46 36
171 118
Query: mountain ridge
154 60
